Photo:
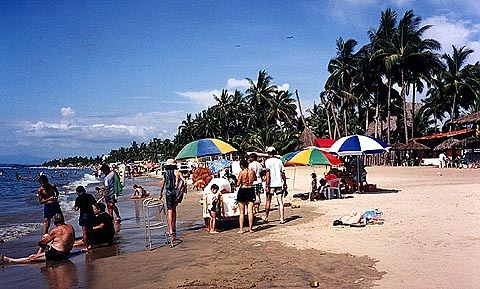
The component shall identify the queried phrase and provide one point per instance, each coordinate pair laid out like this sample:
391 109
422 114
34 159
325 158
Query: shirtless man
54 246
48 196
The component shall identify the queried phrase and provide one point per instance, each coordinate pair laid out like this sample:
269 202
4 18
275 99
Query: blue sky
85 77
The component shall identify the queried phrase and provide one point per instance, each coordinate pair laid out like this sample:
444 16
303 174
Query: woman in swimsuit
245 195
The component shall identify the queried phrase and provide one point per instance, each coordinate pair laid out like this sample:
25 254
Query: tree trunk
325 107
376 112
404 105
389 96
413 110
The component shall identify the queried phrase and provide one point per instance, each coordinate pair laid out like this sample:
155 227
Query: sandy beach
428 240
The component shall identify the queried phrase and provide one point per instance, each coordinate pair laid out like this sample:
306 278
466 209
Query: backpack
170 180
117 185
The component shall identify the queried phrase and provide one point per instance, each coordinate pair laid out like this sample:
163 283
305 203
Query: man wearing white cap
171 181
274 182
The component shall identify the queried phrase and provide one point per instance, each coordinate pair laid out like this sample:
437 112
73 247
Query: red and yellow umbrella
310 157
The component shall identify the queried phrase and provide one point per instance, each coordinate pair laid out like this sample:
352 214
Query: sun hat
170 163
271 150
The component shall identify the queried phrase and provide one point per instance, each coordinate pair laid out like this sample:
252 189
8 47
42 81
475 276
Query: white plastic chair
331 189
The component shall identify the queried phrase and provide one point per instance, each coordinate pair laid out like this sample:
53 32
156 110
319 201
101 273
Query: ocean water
20 211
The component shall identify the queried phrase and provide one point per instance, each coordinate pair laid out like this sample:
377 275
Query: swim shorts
171 198
246 195
275 191
110 198
86 220
52 254
49 210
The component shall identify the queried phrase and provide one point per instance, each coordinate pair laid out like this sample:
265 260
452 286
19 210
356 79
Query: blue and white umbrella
355 145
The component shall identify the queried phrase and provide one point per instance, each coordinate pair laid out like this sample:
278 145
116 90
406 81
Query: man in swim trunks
54 246
48 196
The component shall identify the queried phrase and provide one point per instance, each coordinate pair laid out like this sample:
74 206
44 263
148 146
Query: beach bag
117 185
170 180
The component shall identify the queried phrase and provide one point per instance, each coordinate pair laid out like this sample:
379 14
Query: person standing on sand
255 166
170 180
85 202
274 181
245 195
109 192
54 246
48 196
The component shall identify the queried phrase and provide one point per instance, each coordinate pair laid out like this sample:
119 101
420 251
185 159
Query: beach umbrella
218 165
358 145
205 147
310 157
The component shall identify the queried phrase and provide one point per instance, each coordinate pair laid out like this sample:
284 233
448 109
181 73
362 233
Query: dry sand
430 239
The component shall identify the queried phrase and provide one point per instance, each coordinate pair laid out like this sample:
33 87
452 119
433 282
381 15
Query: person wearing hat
170 182
275 182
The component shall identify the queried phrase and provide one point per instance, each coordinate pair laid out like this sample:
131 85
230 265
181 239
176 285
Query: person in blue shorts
48 196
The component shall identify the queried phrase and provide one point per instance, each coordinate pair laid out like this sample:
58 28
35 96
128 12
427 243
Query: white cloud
449 31
204 97
67 111
237 83
100 132
284 87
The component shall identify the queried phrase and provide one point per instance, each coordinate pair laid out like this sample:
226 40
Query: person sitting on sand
319 194
214 203
103 229
54 246
139 192
84 202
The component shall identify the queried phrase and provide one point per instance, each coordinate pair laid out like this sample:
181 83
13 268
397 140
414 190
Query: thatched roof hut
472 118
451 143
414 145
307 138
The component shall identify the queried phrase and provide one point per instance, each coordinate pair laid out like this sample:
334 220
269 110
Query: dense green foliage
364 94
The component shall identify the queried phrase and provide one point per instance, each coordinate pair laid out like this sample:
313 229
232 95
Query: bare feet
214 232
240 232
4 258
251 231
282 222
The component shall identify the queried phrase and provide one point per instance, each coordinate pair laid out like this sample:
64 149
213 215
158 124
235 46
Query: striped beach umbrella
358 145
310 157
204 147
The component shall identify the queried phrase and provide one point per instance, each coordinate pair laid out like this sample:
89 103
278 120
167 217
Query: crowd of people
97 217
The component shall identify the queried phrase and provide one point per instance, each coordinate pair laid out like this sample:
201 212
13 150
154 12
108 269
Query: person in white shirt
275 182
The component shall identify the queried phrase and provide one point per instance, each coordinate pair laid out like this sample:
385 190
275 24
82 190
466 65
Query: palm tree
460 86
281 108
341 81
259 94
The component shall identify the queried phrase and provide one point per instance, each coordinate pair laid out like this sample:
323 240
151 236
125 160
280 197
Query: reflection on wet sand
61 274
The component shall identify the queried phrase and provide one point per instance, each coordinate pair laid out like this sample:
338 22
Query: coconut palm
259 94
460 86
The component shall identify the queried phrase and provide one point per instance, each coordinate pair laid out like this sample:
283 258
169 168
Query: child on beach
85 202
213 200
139 192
